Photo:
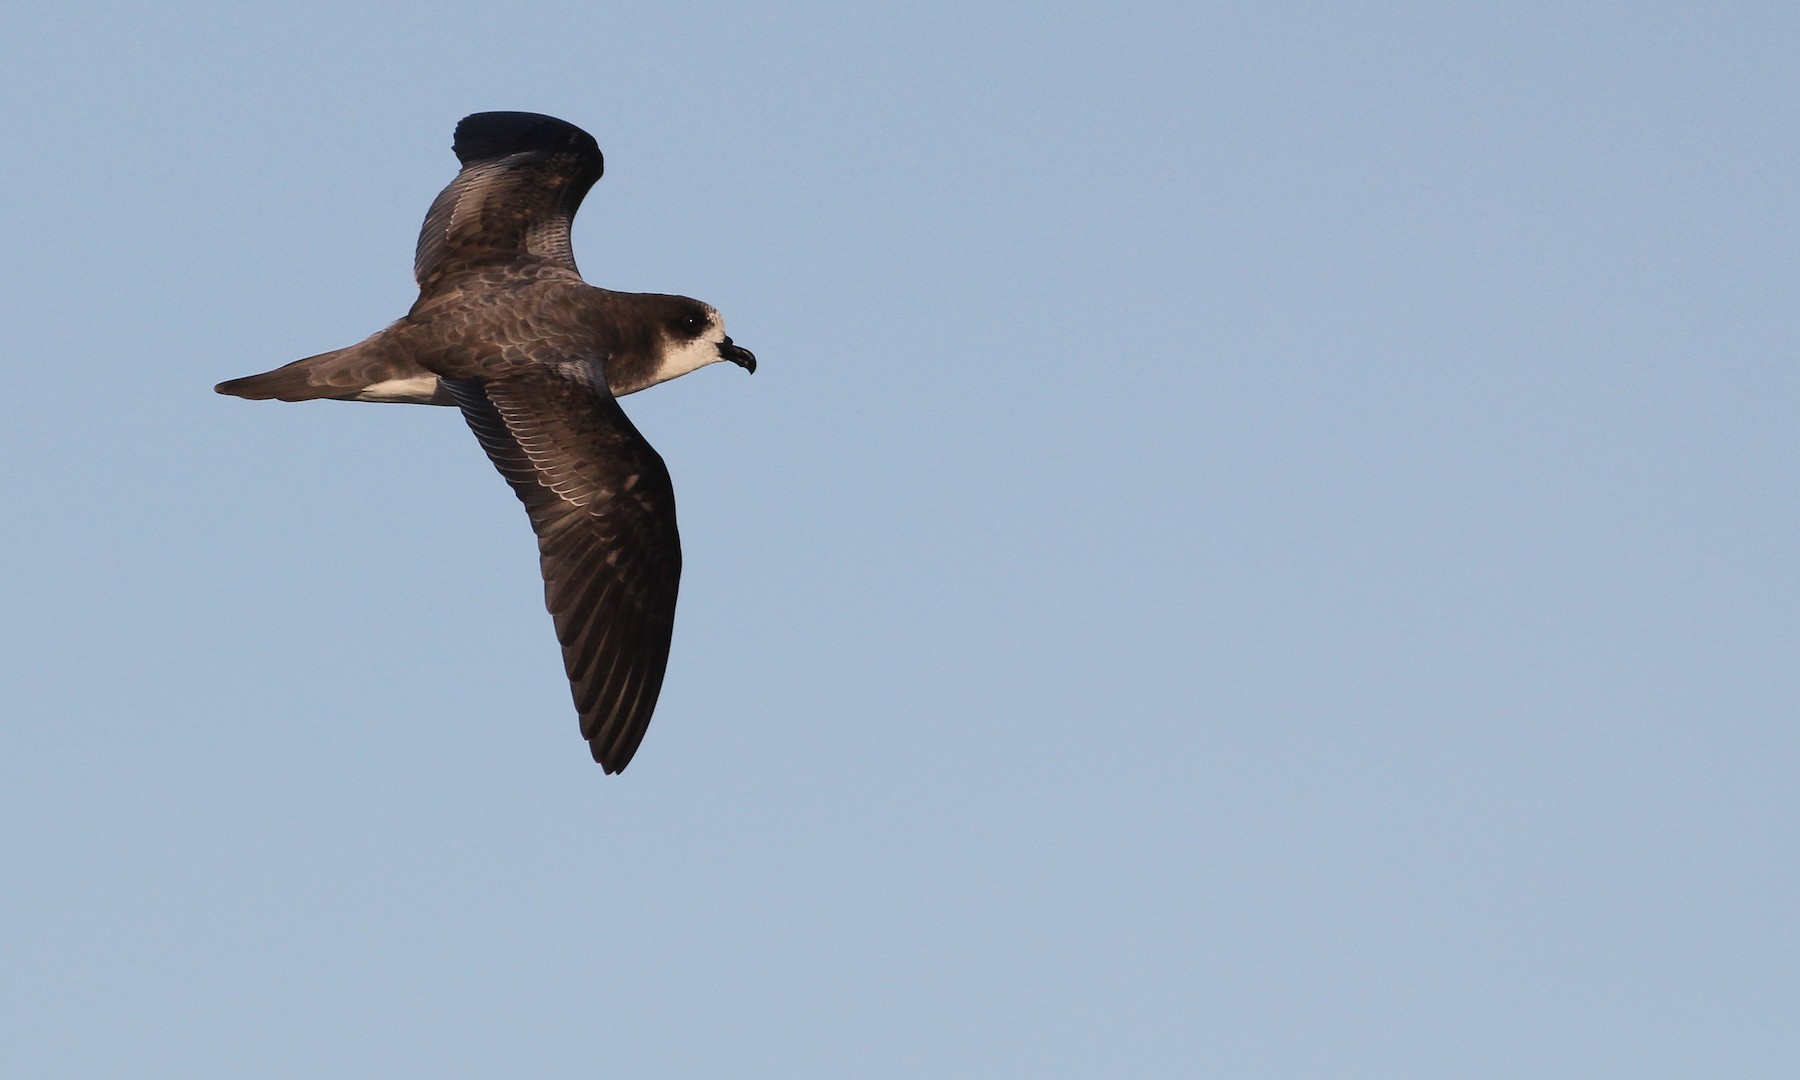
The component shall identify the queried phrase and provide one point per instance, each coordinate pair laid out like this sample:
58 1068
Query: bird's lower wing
603 508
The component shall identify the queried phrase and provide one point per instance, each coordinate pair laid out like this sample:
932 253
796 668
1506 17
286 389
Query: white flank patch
418 390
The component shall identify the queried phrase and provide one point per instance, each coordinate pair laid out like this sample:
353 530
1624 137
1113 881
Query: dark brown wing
522 179
601 503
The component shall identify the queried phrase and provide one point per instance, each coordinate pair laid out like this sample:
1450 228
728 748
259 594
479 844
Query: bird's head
693 336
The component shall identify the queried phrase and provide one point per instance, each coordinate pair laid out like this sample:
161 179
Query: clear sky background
1263 544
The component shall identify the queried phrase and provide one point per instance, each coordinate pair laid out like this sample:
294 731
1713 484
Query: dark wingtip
485 136
612 760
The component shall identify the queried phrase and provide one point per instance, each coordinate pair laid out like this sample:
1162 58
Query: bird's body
506 329
524 307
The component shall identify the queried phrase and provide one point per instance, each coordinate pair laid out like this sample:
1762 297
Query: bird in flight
506 330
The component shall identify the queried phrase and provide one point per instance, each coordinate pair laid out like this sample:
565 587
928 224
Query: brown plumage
505 329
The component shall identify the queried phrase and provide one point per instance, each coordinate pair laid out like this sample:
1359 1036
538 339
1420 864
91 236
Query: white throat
689 356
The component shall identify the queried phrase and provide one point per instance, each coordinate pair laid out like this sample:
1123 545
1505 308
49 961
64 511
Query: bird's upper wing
523 177
600 500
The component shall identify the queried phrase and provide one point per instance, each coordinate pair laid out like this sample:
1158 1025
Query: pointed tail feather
369 371
291 382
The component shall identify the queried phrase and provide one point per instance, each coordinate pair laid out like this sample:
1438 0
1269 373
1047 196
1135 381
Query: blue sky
1262 544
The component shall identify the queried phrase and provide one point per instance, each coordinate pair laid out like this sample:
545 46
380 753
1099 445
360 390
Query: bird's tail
379 368
297 381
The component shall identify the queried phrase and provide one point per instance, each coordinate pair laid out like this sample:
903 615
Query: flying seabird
506 330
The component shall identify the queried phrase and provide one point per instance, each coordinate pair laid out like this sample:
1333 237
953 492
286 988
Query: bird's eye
692 325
